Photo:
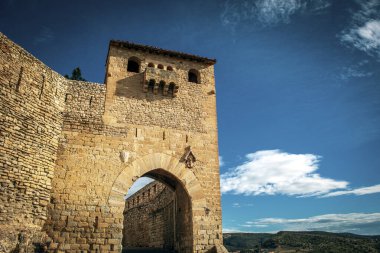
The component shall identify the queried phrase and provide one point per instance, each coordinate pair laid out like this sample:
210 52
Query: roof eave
156 50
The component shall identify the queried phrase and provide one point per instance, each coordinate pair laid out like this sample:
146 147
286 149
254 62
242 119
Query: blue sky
298 94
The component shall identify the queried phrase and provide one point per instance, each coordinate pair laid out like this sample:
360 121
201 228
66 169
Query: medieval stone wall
70 150
149 218
84 105
31 106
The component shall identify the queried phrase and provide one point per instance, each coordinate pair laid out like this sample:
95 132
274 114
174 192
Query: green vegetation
291 242
76 75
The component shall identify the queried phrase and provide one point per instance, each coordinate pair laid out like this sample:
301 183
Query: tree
76 75
269 244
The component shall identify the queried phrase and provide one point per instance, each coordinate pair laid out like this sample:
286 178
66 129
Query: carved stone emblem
124 156
189 158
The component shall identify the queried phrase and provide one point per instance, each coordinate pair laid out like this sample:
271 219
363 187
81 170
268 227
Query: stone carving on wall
189 158
124 156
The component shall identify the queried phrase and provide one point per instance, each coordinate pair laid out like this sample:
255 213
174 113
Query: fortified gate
70 150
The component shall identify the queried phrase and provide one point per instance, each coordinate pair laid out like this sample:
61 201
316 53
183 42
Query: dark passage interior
157 218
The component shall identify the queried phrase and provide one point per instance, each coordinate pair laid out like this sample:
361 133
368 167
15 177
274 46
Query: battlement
144 195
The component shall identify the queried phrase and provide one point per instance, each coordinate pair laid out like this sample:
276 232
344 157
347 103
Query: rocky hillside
315 242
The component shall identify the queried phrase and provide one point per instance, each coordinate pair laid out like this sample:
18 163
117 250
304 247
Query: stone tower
155 116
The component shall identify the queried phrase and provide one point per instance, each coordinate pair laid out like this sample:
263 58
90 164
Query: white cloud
355 71
267 12
370 33
364 30
361 223
271 172
140 183
232 230
221 161
236 205
272 12
357 191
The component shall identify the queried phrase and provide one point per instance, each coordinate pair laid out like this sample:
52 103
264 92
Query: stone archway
175 174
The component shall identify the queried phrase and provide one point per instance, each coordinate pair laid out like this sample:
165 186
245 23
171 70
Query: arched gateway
84 144
162 167
191 206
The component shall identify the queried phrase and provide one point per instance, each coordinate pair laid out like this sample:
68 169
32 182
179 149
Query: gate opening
157 215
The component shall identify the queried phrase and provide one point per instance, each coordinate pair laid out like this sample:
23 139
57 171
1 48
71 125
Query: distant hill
291 242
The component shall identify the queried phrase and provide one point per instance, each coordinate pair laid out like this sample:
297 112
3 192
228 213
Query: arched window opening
171 88
161 86
133 65
151 84
151 65
170 68
160 66
193 76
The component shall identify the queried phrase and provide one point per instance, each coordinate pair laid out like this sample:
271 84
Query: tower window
193 76
161 86
171 88
151 65
151 84
160 66
133 65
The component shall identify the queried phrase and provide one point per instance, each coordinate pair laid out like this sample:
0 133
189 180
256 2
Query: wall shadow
158 216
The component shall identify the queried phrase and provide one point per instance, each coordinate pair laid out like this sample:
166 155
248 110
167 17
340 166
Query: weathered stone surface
63 145
30 125
149 218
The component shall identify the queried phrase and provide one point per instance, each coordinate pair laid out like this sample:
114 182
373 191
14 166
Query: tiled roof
156 50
